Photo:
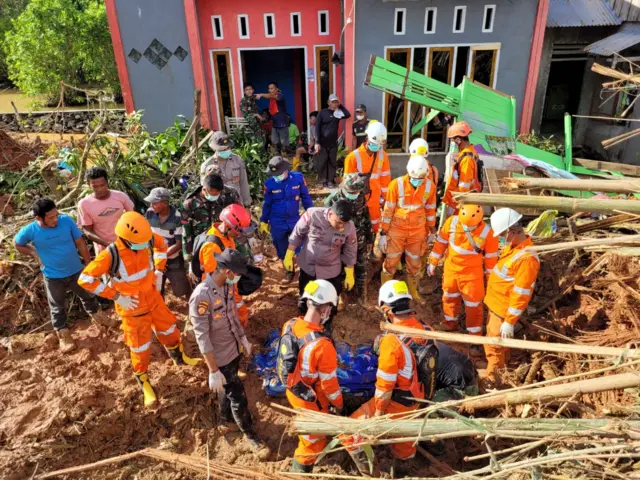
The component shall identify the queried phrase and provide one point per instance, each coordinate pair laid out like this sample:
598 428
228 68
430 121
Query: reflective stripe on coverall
408 217
509 291
317 367
136 278
463 177
359 161
209 264
463 269
396 371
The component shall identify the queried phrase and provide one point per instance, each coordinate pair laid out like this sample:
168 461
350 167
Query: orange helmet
459 129
470 215
134 228
236 218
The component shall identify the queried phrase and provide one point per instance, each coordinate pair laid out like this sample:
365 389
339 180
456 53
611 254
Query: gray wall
513 28
166 92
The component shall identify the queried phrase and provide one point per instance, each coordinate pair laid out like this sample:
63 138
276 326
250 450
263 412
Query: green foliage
548 144
60 40
255 159
9 10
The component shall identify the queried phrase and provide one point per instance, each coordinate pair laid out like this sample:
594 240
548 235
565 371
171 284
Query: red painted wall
118 50
255 9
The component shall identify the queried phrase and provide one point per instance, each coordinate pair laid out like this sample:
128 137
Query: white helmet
321 292
417 166
392 291
419 147
376 132
503 219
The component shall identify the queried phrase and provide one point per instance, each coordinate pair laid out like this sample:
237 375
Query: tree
60 40
9 9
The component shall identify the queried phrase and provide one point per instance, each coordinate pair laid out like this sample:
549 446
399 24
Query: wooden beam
583 185
631 170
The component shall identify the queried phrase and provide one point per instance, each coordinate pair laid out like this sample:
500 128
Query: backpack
426 356
289 347
115 258
200 240
479 168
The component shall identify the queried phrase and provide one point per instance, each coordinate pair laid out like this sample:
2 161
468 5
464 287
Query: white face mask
324 318
360 117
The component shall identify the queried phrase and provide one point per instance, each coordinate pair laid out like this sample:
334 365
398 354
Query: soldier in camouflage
351 189
250 112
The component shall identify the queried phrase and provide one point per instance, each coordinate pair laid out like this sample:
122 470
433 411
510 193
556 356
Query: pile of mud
16 155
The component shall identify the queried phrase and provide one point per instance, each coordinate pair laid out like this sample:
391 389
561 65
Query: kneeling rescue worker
307 364
135 262
406 370
510 285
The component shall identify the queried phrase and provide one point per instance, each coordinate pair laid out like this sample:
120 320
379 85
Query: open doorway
563 94
286 67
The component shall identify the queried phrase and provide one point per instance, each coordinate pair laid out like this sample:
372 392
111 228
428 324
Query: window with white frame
216 26
243 26
489 18
269 25
430 19
296 31
399 21
459 15
323 22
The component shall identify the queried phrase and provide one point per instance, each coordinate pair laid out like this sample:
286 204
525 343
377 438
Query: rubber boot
400 468
297 467
258 447
385 277
179 357
149 394
362 463
412 283
66 340
446 326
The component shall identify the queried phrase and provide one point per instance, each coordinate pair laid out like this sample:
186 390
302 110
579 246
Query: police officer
351 190
228 165
213 313
284 190
329 241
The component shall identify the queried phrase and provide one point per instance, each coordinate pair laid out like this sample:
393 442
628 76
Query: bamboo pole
562 204
512 342
587 185
592 385
92 466
557 247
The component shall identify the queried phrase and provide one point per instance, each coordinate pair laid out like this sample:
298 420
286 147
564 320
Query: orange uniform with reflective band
396 371
408 217
359 161
135 278
317 367
209 265
464 176
509 291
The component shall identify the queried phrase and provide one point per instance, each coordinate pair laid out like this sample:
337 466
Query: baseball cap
277 166
159 194
220 141
233 260
333 98
361 108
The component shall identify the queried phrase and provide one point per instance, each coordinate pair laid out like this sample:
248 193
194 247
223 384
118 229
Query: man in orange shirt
464 176
372 162
510 285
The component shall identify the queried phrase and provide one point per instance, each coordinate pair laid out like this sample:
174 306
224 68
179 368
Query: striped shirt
170 229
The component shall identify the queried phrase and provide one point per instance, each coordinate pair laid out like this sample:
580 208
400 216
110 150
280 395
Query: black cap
233 260
277 166
362 107
220 141
343 209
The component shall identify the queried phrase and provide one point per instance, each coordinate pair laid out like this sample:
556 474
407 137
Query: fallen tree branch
94 465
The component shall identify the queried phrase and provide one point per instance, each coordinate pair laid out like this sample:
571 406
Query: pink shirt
103 214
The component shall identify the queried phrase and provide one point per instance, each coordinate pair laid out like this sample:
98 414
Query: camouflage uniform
198 214
249 107
361 220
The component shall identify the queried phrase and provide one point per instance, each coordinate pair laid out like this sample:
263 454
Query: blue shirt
282 201
55 246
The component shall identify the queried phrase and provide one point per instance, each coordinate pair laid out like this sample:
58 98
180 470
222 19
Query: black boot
261 449
297 467
400 468
179 357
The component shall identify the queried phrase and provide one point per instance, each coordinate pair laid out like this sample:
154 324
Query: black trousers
234 406
326 163
302 304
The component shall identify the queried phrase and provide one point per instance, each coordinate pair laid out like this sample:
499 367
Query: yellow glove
288 261
264 227
350 280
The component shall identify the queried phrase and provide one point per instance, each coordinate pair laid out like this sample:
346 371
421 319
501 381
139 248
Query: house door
221 61
396 108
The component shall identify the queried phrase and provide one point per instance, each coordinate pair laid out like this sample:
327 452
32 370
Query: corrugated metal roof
581 13
627 10
627 36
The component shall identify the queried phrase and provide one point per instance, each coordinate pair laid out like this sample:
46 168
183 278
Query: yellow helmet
134 228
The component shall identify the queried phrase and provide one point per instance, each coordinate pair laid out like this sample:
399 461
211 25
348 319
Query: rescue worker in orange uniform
314 383
234 219
464 176
471 253
511 284
408 219
136 281
397 382
371 161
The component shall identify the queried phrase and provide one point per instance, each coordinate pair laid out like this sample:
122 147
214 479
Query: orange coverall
317 367
463 269
209 264
463 177
136 278
396 371
408 217
360 161
509 291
